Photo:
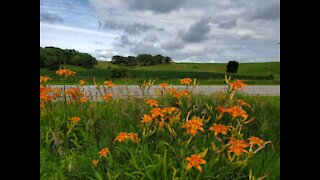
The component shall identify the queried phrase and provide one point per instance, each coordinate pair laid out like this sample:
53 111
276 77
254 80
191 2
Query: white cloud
244 30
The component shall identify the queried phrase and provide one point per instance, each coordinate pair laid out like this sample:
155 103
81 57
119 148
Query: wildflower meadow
173 135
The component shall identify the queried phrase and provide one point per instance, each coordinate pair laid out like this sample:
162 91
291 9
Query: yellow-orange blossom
185 81
193 126
195 161
104 152
219 129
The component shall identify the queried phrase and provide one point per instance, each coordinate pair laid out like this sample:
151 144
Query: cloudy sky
185 30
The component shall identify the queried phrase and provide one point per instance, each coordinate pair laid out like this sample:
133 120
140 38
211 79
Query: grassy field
207 74
158 151
249 69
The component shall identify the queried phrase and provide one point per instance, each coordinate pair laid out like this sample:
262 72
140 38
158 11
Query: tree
168 60
43 58
131 61
144 59
232 67
84 60
52 62
158 59
118 59
52 57
141 60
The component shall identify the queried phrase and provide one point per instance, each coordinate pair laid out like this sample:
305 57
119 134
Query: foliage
175 135
141 60
119 72
232 67
207 78
53 58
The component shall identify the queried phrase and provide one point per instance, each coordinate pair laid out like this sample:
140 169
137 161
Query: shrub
120 72
270 77
232 67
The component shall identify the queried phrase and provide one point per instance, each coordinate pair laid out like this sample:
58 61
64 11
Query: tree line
141 60
53 58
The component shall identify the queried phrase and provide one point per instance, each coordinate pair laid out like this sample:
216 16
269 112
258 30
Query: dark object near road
232 67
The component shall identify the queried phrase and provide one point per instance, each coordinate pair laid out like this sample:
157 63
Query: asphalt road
134 90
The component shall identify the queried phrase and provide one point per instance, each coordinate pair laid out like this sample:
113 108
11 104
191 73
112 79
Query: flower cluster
163 122
238 84
124 136
185 81
65 72
235 111
160 115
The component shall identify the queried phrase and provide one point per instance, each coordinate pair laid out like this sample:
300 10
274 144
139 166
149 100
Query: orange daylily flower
74 92
237 111
172 91
44 79
243 103
95 162
193 126
163 85
56 92
75 119
152 103
107 97
133 137
82 82
104 152
238 146
146 118
179 94
255 140
45 94
219 129
169 110
221 109
238 150
84 100
65 72
109 84
238 84
42 106
155 112
185 81
123 136
195 161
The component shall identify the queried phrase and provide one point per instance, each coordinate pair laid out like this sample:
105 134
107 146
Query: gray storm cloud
50 18
158 6
197 32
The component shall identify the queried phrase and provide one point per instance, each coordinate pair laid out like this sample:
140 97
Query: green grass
252 73
249 69
101 124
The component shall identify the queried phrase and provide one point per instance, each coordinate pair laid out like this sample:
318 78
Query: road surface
134 90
